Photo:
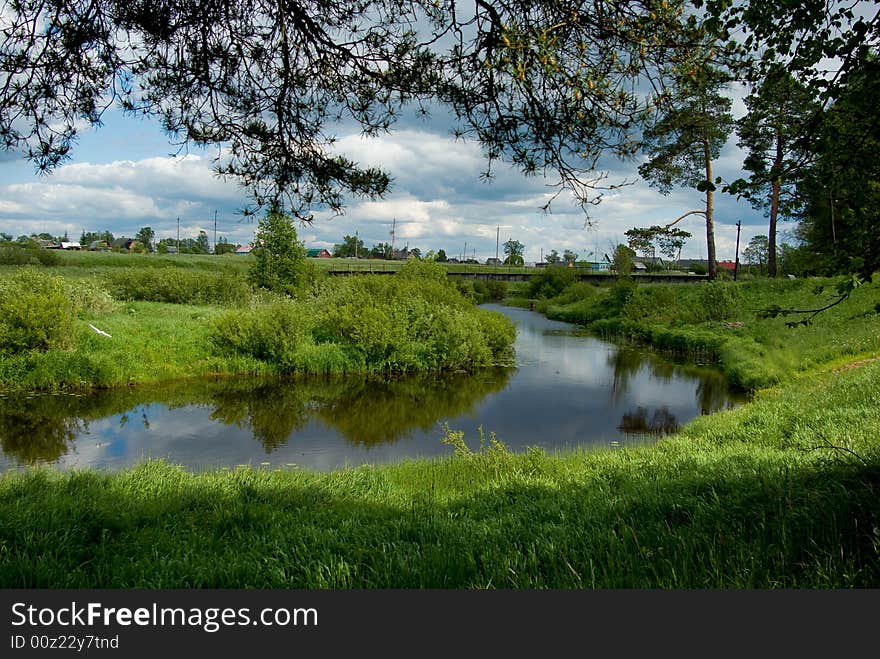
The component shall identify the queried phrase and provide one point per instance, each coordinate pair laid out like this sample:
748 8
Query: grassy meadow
783 492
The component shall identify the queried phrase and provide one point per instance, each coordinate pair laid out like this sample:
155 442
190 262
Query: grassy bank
780 493
722 322
70 328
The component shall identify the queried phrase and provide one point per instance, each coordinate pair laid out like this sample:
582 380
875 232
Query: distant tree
670 241
569 257
641 240
281 258
514 251
223 246
553 257
622 260
350 246
146 236
688 133
202 244
381 251
415 252
5 237
757 252
441 256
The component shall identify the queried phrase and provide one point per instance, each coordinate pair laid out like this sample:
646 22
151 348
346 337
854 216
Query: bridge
588 276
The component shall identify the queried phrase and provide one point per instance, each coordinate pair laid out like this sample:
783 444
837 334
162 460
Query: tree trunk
774 205
710 220
771 237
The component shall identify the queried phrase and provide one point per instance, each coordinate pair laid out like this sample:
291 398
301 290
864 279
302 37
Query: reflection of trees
642 422
374 412
626 363
713 392
37 429
364 411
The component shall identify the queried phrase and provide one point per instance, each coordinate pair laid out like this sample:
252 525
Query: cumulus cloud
437 201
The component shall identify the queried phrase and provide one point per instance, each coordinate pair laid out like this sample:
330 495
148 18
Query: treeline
143 241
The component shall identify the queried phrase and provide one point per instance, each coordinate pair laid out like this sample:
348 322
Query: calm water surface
567 390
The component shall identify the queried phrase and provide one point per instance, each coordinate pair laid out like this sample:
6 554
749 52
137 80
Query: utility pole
393 226
178 236
356 243
464 253
736 260
215 230
497 239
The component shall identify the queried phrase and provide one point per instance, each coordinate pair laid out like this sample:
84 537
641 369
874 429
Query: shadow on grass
531 521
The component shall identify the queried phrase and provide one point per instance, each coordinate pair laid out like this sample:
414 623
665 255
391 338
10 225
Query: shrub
12 254
90 297
551 281
36 312
497 289
575 293
716 300
271 333
177 286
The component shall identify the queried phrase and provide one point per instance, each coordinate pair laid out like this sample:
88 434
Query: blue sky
126 175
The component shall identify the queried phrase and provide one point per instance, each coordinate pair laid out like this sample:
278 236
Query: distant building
690 264
66 245
643 263
727 265
493 261
244 249
316 253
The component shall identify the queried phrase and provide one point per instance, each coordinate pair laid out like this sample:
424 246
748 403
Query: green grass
721 322
782 493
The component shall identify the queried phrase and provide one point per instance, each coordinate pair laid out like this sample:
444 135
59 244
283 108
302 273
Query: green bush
36 312
11 254
497 289
575 293
177 286
271 333
716 300
377 324
551 281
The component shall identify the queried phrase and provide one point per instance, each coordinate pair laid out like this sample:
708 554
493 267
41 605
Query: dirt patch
858 364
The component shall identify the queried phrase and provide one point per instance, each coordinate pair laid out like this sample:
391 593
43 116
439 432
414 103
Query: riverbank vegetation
75 328
782 492
723 322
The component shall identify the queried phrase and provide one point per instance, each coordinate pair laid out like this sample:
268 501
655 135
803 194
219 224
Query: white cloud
437 199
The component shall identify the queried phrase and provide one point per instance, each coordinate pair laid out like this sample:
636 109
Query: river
567 390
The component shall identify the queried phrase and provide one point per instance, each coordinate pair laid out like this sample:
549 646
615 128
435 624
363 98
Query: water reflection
38 429
643 422
567 390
